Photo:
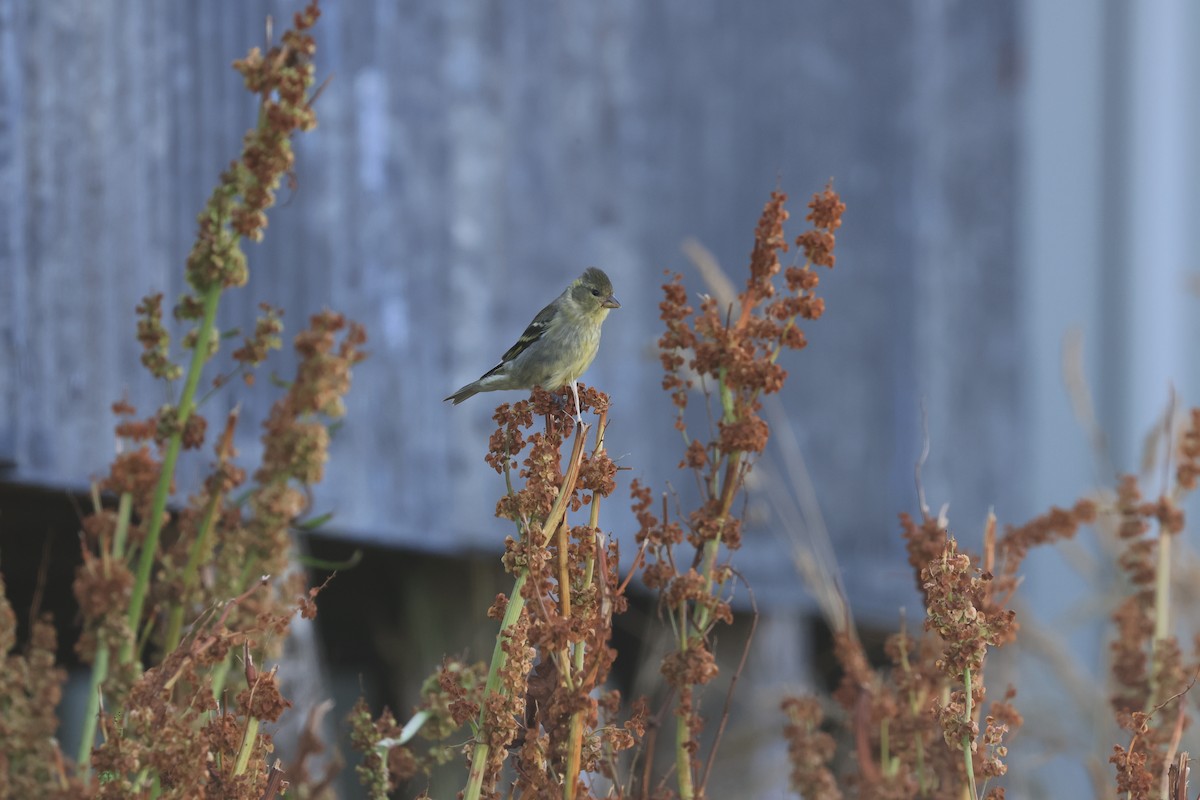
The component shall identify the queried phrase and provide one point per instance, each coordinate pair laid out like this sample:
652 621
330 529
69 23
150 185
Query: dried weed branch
169 599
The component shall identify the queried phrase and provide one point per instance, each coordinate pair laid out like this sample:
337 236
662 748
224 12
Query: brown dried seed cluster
810 749
282 78
161 731
1150 672
164 728
959 610
732 353
31 685
555 652
263 699
380 772
267 337
826 217
1188 470
155 340
966 616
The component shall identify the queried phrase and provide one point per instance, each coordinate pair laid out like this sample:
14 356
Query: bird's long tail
470 390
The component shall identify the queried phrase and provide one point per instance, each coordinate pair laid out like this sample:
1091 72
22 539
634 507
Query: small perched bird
558 345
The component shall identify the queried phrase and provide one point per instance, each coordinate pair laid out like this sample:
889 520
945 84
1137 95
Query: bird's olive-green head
593 291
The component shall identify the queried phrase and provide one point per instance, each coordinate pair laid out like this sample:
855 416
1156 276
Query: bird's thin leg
575 392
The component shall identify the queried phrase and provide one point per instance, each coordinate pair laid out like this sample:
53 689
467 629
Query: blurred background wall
1016 174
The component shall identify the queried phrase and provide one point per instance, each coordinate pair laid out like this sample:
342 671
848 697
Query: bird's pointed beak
611 302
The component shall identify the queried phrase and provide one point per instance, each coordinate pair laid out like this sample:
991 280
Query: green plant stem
220 672
1162 588
1162 611
100 665
683 758
922 786
727 489
575 752
914 709
713 546
884 749
124 512
479 756
249 736
680 626
728 406
589 563
190 571
966 744
512 612
142 775
574 756
92 710
200 355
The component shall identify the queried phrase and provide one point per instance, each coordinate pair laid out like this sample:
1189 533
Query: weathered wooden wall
473 157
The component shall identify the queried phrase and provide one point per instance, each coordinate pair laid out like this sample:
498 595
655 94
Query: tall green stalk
190 572
249 737
91 711
512 612
1162 612
966 744
683 759
725 489
187 400
575 753
220 671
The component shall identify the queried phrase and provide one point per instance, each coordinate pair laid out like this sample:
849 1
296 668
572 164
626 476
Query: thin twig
275 782
712 753
39 586
924 506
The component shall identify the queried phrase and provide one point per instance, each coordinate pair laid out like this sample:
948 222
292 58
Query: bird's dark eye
595 292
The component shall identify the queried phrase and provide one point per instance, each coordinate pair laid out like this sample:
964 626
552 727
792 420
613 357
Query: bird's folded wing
532 333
